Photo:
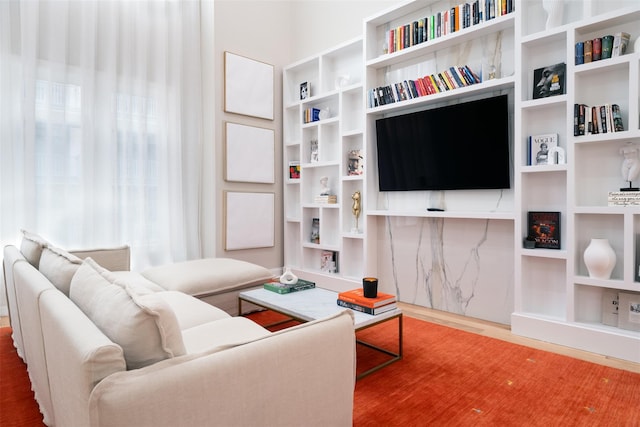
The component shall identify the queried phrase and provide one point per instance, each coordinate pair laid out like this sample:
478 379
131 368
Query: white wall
278 32
319 25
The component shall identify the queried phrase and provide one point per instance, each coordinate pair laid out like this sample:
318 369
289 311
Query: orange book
357 296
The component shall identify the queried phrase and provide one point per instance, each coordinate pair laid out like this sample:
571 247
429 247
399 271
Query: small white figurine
631 163
324 186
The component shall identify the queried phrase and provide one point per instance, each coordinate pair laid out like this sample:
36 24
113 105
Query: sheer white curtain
101 123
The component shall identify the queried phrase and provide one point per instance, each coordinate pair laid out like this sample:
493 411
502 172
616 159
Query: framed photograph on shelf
305 90
355 163
294 170
541 149
314 156
248 86
549 81
544 228
629 311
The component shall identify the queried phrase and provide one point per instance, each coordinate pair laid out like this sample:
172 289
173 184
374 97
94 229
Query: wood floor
494 330
503 332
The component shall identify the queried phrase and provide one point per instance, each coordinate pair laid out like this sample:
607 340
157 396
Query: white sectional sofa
113 348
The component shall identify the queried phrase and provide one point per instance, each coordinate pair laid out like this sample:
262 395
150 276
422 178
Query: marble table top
311 304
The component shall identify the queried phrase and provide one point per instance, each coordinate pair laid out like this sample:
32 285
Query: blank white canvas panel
250 154
248 86
249 220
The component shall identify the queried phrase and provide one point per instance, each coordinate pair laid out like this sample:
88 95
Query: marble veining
455 265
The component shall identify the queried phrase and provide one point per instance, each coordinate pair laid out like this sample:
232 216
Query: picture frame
305 90
544 228
549 80
244 229
249 154
248 86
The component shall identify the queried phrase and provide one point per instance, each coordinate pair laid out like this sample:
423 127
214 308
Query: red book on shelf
356 296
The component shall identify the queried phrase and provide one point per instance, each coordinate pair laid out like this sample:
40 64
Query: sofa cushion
59 267
31 247
113 259
143 325
222 332
135 280
207 276
191 311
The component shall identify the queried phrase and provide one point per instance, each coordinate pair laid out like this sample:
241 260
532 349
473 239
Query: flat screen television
456 147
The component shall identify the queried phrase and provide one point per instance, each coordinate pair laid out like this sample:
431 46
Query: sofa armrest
299 376
113 259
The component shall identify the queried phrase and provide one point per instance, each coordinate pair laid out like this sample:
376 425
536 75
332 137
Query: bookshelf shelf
335 77
583 183
476 89
507 216
444 42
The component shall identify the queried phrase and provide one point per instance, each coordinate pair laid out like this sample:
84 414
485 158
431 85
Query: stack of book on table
355 300
283 288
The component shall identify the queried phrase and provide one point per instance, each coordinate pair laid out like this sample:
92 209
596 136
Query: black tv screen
455 147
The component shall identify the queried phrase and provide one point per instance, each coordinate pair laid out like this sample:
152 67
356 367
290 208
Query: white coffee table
317 303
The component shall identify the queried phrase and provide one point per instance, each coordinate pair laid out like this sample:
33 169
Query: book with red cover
356 296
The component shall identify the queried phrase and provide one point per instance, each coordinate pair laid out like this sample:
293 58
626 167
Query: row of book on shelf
605 47
445 22
596 119
450 79
621 309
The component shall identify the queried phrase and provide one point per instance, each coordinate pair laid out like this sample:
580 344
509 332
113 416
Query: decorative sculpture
356 209
630 165
555 12
324 186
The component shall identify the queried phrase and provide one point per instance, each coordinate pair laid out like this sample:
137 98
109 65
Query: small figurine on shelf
324 186
354 167
630 165
356 209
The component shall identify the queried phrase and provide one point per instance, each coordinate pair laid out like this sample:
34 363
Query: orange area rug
447 377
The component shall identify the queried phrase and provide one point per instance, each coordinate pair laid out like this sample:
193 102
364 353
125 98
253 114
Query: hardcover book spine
596 53
603 118
588 46
582 117
579 53
363 309
618 126
607 46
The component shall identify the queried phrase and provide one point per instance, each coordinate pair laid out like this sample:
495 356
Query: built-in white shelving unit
554 298
335 79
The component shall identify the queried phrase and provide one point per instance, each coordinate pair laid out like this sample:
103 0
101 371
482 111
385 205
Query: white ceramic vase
288 278
600 259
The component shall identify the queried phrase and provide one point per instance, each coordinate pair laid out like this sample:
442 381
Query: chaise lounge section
114 348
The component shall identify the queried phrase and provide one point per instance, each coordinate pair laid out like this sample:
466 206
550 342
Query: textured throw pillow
143 325
59 267
31 247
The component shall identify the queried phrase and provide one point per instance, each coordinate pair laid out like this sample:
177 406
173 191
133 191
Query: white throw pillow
143 325
59 267
31 247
